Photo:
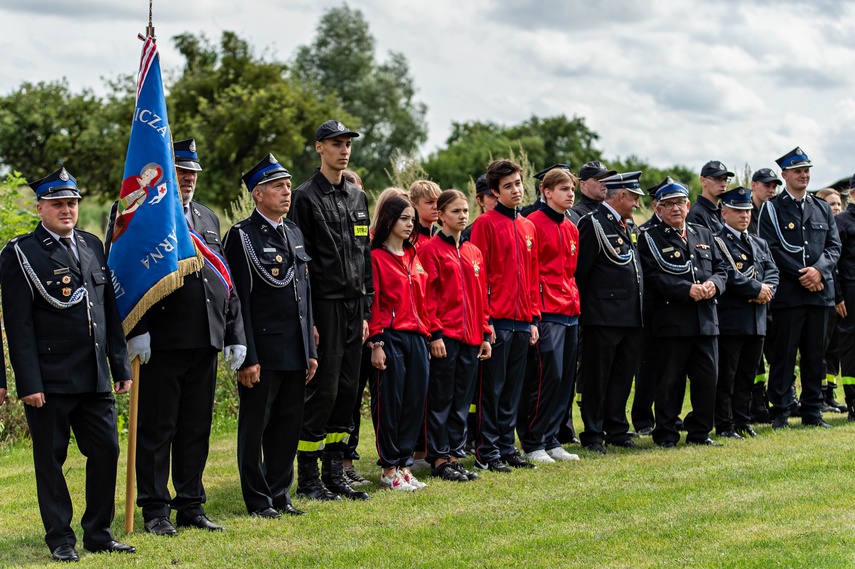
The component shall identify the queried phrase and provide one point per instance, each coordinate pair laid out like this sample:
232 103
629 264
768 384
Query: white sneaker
410 479
394 480
559 453
538 456
420 464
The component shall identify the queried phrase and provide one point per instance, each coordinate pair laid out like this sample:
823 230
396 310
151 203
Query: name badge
360 230
61 271
270 249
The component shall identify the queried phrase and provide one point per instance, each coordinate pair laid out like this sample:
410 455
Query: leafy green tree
545 141
341 62
239 106
44 126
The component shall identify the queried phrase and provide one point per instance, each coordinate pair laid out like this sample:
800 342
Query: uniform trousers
548 389
268 432
645 378
398 402
92 417
847 348
738 356
612 355
450 390
176 406
331 395
800 329
697 358
498 394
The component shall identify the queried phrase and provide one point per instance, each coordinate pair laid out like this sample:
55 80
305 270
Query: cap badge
340 127
63 175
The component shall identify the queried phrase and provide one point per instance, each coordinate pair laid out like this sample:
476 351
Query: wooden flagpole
130 475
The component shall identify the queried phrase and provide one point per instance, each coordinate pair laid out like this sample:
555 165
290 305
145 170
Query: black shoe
497 465
816 423
333 478
110 547
352 477
645 432
459 468
706 442
628 443
747 431
516 461
595 447
64 553
160 526
446 471
632 434
731 434
268 513
291 510
667 444
780 423
201 522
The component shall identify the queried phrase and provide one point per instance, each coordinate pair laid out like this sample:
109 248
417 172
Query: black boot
851 407
829 400
333 477
309 483
759 404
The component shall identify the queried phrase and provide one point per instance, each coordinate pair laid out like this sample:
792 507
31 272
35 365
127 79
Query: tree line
240 104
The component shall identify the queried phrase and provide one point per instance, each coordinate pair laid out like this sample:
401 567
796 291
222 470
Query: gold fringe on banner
163 288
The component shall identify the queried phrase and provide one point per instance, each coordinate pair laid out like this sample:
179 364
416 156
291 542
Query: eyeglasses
672 205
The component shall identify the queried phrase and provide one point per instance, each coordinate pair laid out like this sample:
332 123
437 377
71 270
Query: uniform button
91 304
96 345
806 242
208 300
94 324
691 256
206 280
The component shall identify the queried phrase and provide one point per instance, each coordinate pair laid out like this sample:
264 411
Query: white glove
140 346
234 354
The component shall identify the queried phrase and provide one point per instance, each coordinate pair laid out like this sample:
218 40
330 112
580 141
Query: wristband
372 345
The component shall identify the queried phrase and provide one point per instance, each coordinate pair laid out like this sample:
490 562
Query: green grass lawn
784 499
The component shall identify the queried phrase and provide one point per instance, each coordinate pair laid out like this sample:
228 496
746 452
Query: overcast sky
671 81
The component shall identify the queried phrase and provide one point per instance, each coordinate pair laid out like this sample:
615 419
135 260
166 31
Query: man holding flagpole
178 306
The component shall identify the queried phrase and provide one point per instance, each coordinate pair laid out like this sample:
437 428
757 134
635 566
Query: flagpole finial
149 31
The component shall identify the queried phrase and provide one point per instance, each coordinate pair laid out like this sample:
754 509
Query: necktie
281 229
744 238
70 250
189 217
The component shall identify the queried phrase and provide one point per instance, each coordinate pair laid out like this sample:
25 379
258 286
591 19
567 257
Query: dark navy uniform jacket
610 282
671 266
278 319
706 214
799 240
736 315
61 350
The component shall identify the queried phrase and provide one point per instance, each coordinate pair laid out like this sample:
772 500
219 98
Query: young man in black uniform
178 340
805 245
751 281
65 337
764 186
609 277
592 190
269 267
845 301
332 214
645 376
706 211
685 273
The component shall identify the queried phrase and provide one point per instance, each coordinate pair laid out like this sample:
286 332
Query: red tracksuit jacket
456 290
399 292
557 252
508 244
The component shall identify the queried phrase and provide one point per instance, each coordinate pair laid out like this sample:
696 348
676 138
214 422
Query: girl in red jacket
397 338
457 307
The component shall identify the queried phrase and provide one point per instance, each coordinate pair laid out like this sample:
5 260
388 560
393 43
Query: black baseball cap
715 169
481 186
766 175
595 169
332 129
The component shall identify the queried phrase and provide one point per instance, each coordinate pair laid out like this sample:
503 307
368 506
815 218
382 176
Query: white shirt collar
275 224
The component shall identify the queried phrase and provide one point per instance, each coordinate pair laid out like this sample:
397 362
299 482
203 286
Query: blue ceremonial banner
151 249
